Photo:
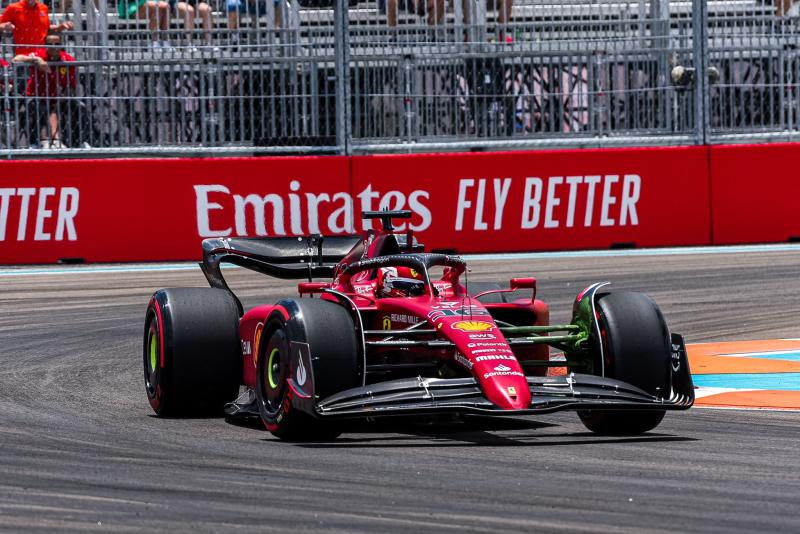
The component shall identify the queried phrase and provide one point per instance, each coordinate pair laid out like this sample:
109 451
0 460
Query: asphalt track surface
81 451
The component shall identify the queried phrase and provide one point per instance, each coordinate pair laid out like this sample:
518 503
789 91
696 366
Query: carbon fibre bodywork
441 351
427 396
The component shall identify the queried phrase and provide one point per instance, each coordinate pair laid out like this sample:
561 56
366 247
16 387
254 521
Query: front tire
328 330
192 357
636 347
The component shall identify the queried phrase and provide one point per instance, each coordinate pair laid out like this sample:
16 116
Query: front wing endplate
417 396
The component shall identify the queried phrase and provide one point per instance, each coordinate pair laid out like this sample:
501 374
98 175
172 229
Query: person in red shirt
30 22
51 89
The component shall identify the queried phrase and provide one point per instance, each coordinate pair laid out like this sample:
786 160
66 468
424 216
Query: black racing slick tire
636 346
192 354
329 331
491 298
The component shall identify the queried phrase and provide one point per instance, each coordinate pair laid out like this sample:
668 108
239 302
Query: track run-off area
81 450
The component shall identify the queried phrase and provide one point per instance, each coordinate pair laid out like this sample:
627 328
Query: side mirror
523 283
309 288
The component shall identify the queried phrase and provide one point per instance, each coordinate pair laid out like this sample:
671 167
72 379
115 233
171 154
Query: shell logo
472 326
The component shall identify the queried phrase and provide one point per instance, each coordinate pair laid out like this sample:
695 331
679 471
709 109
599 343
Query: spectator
189 10
434 9
51 93
255 8
503 8
786 8
29 20
157 13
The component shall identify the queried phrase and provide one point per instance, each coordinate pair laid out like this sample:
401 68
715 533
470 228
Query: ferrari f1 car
397 331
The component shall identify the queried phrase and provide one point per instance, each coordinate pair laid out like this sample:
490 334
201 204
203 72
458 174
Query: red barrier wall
755 190
144 210
547 200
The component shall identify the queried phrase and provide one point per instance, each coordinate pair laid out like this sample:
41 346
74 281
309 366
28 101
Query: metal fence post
700 46
659 43
209 107
342 62
102 7
7 109
409 128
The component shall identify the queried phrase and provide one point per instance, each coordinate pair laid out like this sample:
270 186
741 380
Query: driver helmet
399 282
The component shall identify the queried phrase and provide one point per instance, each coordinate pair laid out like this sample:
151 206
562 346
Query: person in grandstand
503 8
29 21
255 8
787 8
155 11
51 95
433 10
189 10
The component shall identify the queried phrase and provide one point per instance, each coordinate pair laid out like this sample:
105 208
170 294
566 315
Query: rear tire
192 356
329 331
636 345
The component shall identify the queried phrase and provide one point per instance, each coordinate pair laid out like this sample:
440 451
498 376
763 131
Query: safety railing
332 76
754 58
171 105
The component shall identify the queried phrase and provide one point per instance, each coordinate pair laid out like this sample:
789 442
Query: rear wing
291 258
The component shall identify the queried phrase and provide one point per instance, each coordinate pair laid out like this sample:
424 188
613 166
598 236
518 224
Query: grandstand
569 73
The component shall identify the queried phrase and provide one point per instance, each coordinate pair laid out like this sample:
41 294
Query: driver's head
399 282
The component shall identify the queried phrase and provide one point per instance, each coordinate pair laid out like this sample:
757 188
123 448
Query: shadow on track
253 423
484 439
474 431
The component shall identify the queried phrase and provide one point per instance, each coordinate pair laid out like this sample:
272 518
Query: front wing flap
462 395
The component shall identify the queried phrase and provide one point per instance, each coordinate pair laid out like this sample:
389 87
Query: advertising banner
754 193
160 210
544 200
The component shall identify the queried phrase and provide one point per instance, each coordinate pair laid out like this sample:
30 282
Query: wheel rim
273 368
151 351
273 372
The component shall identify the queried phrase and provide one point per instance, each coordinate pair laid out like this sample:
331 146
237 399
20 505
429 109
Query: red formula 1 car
398 332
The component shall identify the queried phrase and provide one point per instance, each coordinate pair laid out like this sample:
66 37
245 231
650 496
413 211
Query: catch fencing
306 76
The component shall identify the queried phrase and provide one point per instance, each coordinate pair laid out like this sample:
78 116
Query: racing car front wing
462 395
